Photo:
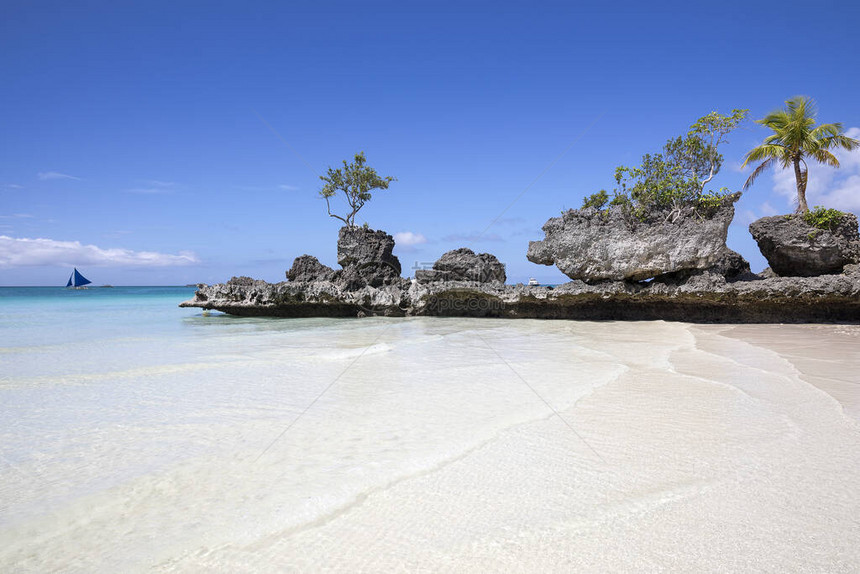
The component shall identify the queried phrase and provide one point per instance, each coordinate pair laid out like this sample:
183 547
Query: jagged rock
794 248
243 280
307 268
367 259
464 265
729 265
594 245
369 284
705 297
247 297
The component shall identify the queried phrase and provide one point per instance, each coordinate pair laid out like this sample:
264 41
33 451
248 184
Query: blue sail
77 280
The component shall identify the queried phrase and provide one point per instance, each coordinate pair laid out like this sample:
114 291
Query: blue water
54 315
139 436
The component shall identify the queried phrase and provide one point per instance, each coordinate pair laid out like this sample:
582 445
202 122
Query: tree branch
330 214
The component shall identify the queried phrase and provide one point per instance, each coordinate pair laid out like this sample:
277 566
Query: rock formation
612 244
794 248
244 296
464 265
366 257
703 297
720 290
729 265
307 268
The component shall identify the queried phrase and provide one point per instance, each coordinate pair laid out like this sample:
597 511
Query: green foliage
597 200
655 183
620 199
712 200
356 180
679 174
697 155
823 218
795 138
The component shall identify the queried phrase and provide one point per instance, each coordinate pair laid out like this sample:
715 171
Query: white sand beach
436 445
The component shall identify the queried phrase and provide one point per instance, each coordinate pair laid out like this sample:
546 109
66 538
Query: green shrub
823 218
711 200
597 200
677 176
620 199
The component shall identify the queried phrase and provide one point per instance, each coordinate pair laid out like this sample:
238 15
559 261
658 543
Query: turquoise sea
136 436
56 315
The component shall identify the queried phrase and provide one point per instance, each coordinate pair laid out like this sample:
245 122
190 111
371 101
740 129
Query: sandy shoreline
442 445
827 356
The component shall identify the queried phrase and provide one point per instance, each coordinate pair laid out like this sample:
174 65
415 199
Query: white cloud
17 216
827 186
409 239
13 186
46 175
288 187
23 252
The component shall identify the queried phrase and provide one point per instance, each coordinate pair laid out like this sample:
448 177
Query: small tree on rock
356 180
697 155
680 173
795 138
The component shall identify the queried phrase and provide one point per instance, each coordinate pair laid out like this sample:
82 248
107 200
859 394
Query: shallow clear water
137 436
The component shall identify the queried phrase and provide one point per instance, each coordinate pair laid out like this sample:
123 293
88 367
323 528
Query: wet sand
436 445
827 356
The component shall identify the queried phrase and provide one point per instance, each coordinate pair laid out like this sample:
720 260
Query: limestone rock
369 284
367 259
729 265
464 265
704 297
594 245
307 268
794 248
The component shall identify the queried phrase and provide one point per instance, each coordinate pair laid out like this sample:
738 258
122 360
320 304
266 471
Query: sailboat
77 281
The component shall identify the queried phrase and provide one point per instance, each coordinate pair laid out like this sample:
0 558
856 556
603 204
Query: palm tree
794 139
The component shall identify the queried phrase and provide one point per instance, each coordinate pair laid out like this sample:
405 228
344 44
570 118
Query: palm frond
765 151
774 138
842 141
826 130
801 107
775 120
825 157
759 170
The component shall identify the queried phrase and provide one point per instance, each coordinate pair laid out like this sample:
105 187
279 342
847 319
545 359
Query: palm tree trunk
800 177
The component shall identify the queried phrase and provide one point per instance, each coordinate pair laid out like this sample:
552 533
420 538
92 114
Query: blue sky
181 142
